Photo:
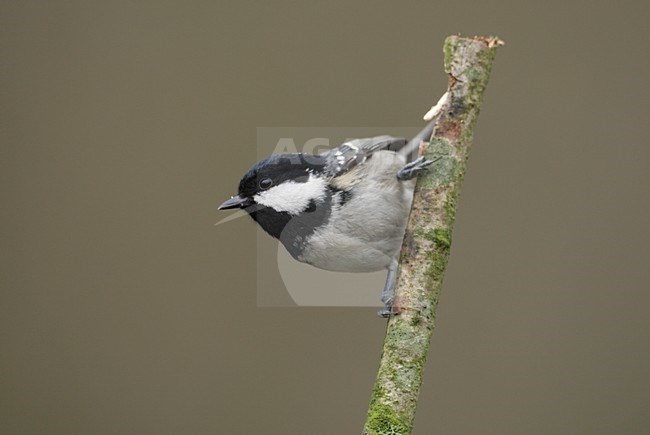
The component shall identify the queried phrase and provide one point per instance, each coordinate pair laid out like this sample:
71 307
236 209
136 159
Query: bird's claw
387 312
412 169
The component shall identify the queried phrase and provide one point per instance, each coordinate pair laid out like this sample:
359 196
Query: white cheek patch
293 197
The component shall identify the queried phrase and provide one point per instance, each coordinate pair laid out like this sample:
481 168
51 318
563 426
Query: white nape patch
293 197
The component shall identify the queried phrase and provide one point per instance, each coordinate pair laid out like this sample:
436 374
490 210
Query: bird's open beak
235 202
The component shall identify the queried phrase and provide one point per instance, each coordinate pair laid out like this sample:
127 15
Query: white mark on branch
435 110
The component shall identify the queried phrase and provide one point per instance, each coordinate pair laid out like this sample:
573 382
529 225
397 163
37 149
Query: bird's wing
356 151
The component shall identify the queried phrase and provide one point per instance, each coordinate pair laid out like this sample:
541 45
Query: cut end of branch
490 41
469 61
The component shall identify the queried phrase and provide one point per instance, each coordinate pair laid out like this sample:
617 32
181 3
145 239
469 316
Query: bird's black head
279 188
276 170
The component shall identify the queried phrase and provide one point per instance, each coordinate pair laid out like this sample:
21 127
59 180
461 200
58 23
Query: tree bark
427 240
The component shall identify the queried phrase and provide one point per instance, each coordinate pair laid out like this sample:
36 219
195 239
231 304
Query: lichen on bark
427 240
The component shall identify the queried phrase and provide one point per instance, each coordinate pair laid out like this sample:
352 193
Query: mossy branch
427 240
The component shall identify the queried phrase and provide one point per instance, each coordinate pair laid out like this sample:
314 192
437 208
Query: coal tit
344 210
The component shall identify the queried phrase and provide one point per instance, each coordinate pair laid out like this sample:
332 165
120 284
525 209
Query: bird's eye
266 183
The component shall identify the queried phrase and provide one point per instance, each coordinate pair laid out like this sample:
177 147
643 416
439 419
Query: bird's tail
410 149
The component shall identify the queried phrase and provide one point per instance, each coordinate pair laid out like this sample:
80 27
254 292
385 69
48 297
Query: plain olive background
123 309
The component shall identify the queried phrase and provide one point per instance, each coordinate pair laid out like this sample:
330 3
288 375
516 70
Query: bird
343 210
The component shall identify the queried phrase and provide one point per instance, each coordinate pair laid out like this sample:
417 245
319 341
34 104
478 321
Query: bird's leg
412 169
388 294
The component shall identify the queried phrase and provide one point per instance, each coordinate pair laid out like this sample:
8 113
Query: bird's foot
412 169
387 312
